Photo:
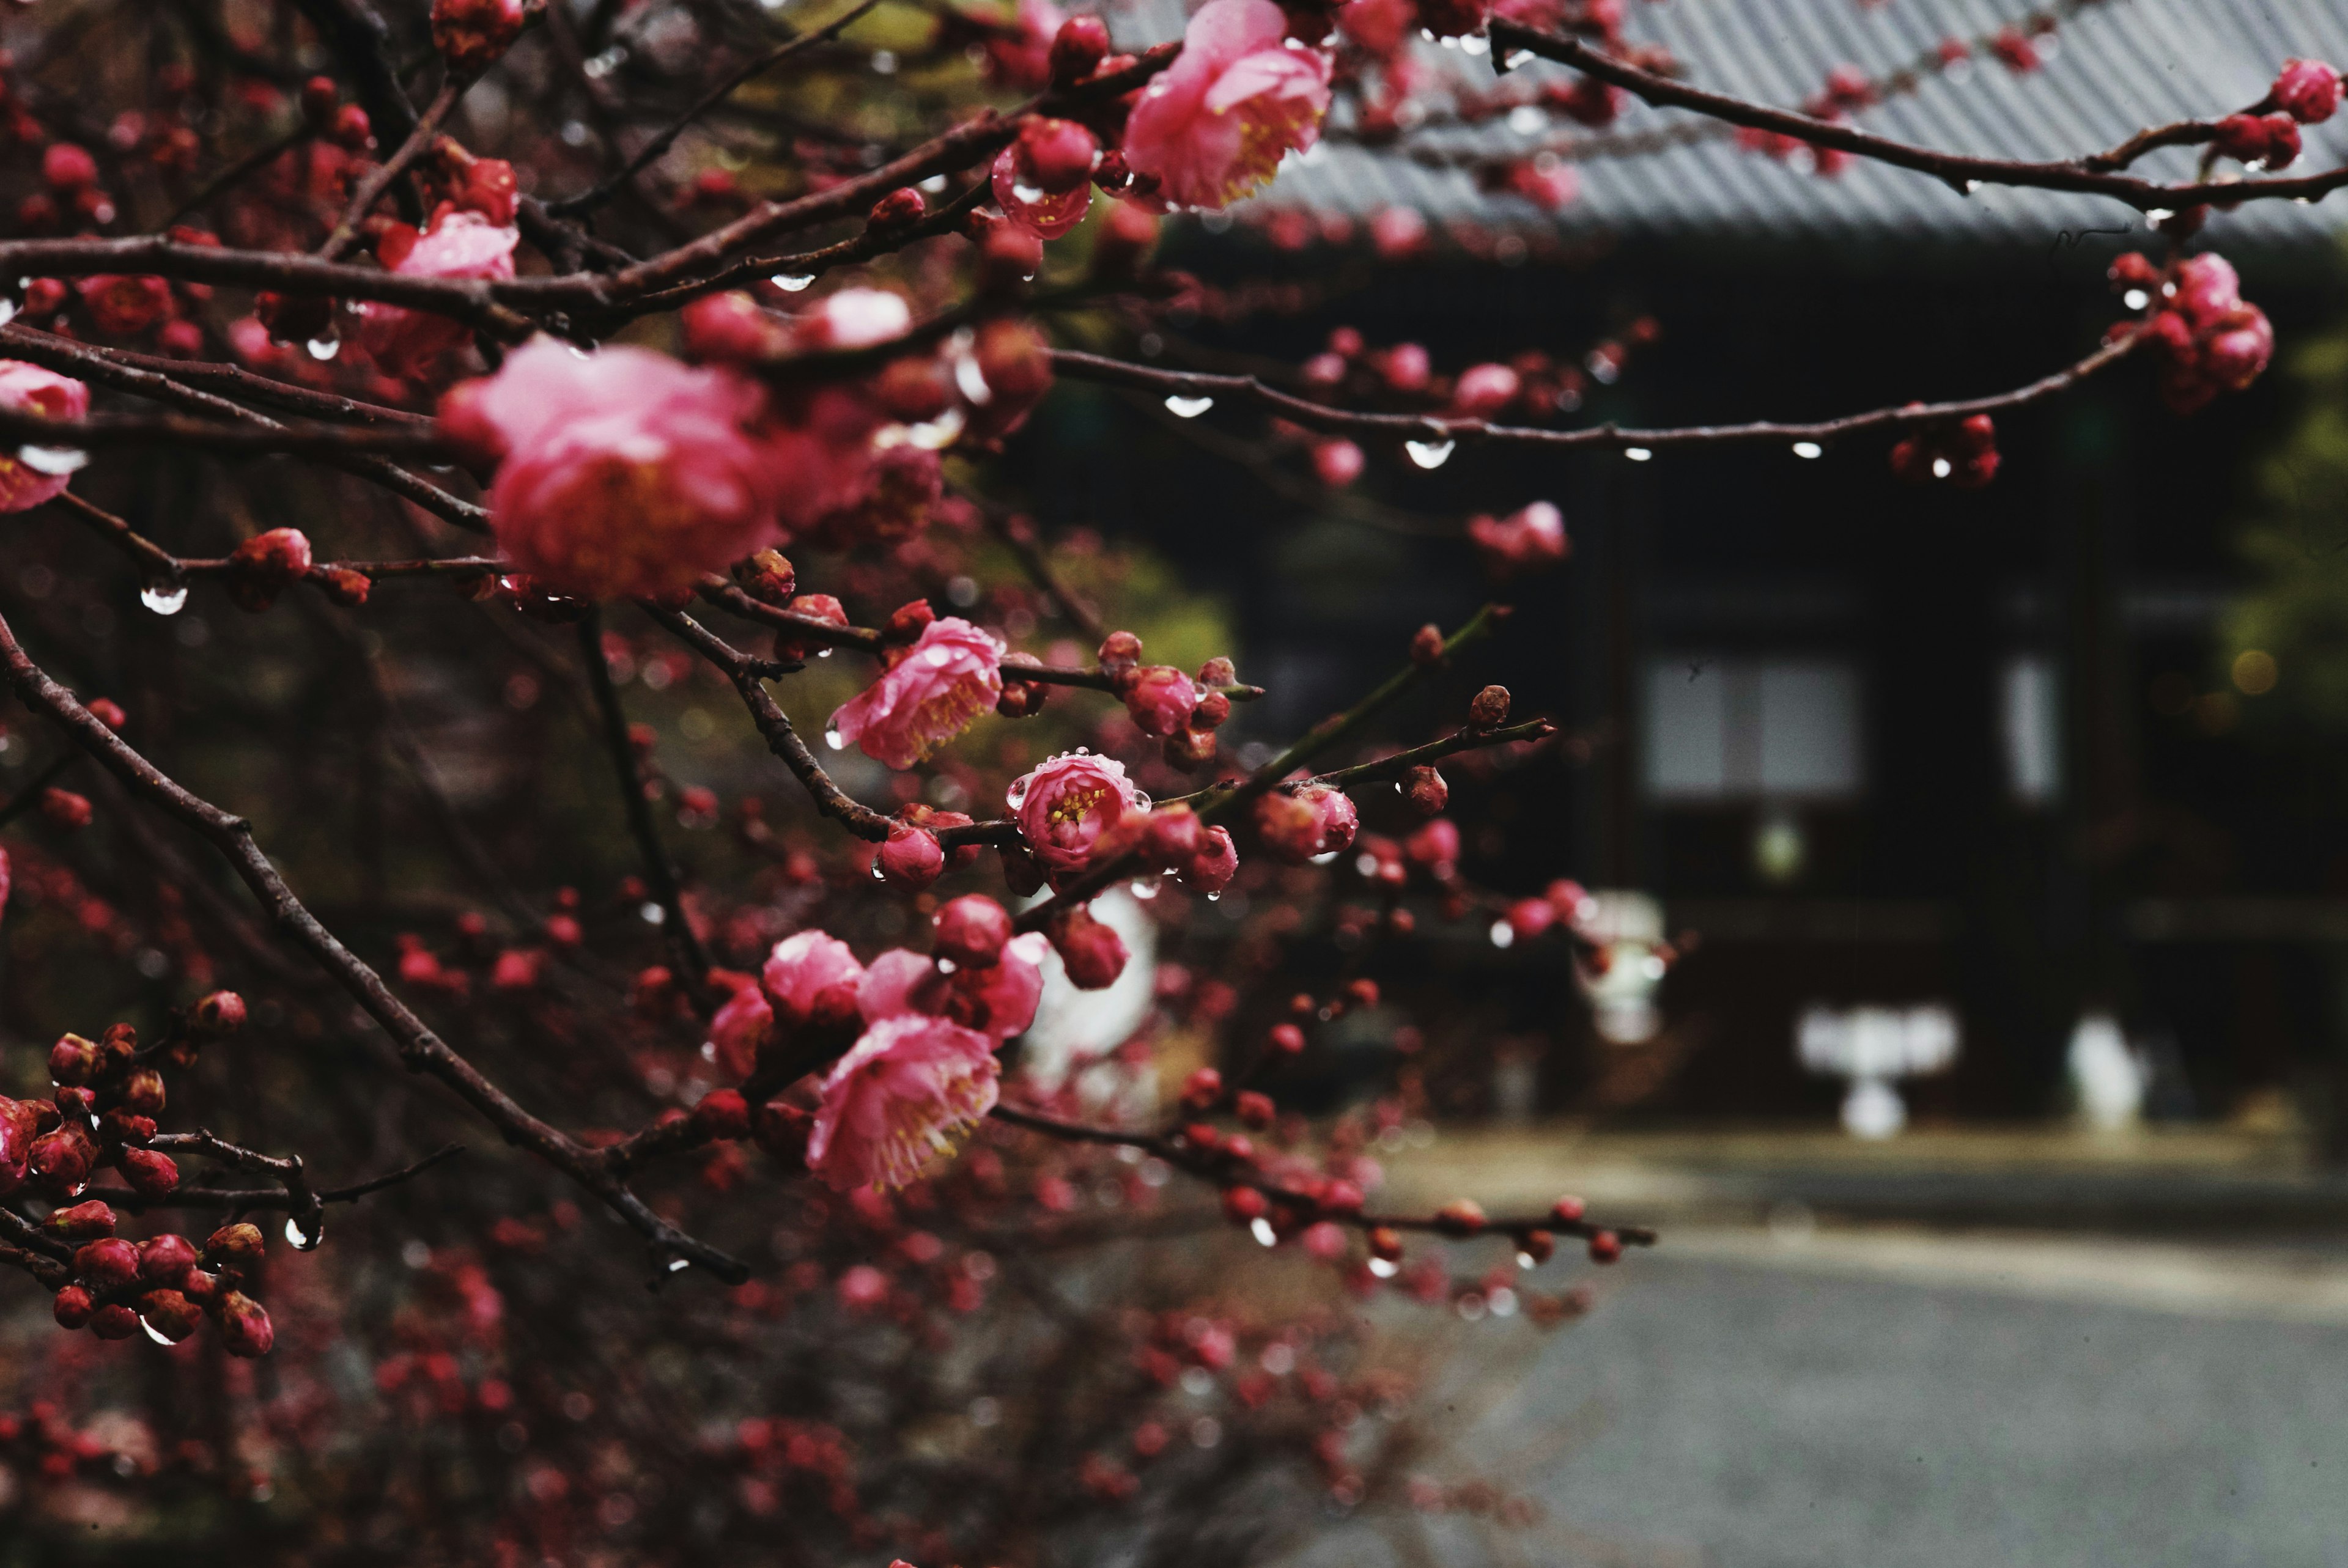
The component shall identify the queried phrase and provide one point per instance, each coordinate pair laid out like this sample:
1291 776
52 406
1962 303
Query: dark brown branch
1221 1167
262 1198
659 871
1961 171
1604 437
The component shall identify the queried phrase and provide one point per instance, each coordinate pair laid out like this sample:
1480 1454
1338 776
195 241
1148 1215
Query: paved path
1885 1401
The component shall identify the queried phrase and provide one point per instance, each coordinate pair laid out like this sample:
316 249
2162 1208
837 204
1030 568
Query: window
1739 728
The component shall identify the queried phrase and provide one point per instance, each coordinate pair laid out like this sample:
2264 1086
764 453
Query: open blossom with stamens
928 696
622 472
29 389
1214 126
1065 806
901 1097
409 343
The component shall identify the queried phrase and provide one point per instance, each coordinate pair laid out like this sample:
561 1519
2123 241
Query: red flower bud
114 1322
319 99
170 1313
219 1013
722 1113
108 712
164 1260
766 576
1489 710
1254 1108
1537 1246
1386 1244
1605 1247
1174 835
1569 1210
106 1264
898 209
239 1246
1285 1038
1056 154
1094 953
66 168
142 1092
2243 137
1427 645
911 857
73 1059
471 34
64 808
971 931
150 1174
1460 1216
351 129
1426 791
1244 1206
1203 1090
1078 49
81 1223
782 1131
61 1162
2307 90
73 1308
244 1326
279 557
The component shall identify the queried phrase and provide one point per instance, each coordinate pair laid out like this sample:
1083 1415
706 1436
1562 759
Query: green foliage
2297 547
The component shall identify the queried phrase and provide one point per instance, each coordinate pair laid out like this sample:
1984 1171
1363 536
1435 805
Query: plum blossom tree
497 417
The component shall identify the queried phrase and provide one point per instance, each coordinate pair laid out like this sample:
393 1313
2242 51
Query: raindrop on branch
1188 407
1429 454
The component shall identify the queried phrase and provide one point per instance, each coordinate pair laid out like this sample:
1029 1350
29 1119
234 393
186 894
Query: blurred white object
1071 1024
2109 1076
1627 929
1871 1046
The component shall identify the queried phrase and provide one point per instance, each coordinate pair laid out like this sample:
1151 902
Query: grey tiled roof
2114 68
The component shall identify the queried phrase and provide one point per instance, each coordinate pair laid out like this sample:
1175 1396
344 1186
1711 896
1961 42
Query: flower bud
1284 1039
150 1174
72 1060
142 1092
278 557
782 1131
1174 835
119 1128
1568 1210
219 1013
900 208
821 606
1460 1216
1537 1246
1211 869
1489 711
1244 1206
164 1260
1426 791
471 34
1213 709
1203 1090
61 1161
1160 699
76 1101
106 1264
83 1222
238 1246
2307 90
911 857
1386 1244
108 712
1094 953
64 808
319 99
114 1322
170 1313
73 1308
1079 48
1426 646
1058 155
351 129
722 1113
1605 1247
1254 1108
244 1326
971 931
1188 751
1009 254
2243 137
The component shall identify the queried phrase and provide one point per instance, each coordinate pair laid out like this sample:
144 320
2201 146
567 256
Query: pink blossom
1522 541
813 975
739 1028
898 1098
1043 180
928 696
892 983
1160 700
1214 126
408 343
1065 806
998 1001
623 472
29 389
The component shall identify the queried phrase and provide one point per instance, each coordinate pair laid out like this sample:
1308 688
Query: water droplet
792 283
884 61
2155 216
1514 58
1142 800
1971 186
938 658
1637 454
878 875
972 380
322 348
1475 45
1503 934
833 738
651 913
1260 1228
1527 120
54 461
1188 407
1017 793
823 652
1806 450
1385 1269
1525 1260
7 314
1429 454
2135 299
303 1241
1215 897
678 1264
164 598
946 965
1143 887
151 1334
1942 468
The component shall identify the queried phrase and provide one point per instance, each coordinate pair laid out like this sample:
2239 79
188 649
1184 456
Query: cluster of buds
162 1282
1181 710
471 34
1963 454
2210 338
265 565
